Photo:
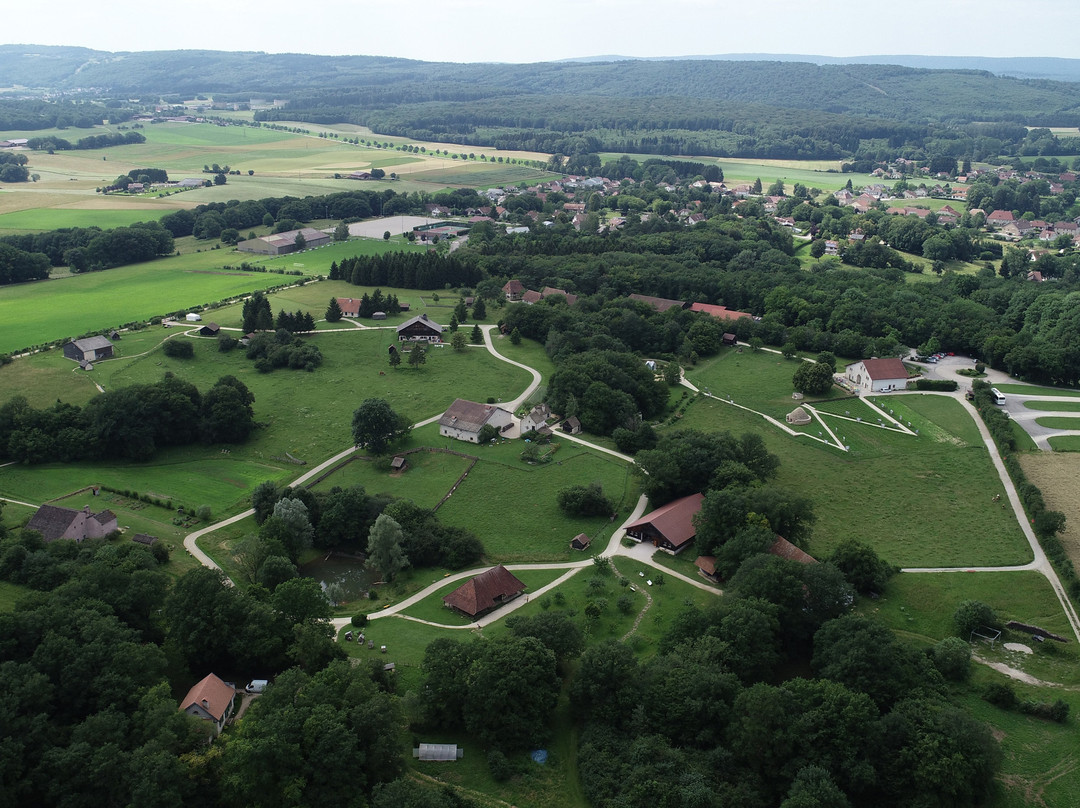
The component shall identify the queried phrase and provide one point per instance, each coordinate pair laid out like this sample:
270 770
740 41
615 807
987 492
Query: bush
973 614
499 766
939 385
952 658
1000 695
178 349
359 620
584 500
625 604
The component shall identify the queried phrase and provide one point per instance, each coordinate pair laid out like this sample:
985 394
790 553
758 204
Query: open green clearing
1058 422
38 219
919 501
308 416
1053 406
9 594
426 481
761 380
512 506
1041 763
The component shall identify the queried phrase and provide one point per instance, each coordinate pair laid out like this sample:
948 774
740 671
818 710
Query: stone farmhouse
463 420
54 522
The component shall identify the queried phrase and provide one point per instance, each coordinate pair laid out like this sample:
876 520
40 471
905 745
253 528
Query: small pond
347 573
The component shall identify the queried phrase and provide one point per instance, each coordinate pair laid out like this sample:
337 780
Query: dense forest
772 109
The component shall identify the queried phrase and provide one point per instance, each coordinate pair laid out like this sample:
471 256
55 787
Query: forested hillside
723 108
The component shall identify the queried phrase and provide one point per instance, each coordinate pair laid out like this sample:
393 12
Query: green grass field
35 313
1065 443
9 594
919 501
1053 406
512 506
1032 390
39 219
1059 422
761 381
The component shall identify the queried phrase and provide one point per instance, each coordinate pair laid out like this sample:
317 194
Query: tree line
131 423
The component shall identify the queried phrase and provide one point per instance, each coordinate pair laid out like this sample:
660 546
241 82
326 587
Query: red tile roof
878 369
720 312
486 591
211 694
674 521
785 549
349 306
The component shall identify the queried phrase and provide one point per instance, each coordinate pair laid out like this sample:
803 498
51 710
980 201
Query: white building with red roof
877 375
211 700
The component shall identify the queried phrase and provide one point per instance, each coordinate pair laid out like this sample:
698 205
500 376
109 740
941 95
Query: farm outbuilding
89 349
420 328
580 542
54 522
283 243
669 528
438 752
485 592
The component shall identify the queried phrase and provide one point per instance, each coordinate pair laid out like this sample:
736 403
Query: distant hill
735 105
1020 67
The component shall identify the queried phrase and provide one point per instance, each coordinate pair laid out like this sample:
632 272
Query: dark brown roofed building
420 329
669 528
88 348
54 522
485 592
785 549
210 330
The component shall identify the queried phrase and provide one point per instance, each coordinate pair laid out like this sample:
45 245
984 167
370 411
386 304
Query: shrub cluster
942 385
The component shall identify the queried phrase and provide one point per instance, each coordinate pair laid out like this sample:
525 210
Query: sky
508 31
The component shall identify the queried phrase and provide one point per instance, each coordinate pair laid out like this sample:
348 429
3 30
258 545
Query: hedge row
939 385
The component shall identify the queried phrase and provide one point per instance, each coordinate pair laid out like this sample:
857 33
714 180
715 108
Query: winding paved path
644 553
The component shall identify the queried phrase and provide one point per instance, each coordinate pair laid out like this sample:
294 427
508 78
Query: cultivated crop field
1056 475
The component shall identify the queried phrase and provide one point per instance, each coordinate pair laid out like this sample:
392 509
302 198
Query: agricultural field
1056 473
36 313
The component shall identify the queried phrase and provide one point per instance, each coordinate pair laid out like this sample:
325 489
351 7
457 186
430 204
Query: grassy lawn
511 506
1053 406
10 594
761 381
34 313
427 479
1065 443
1059 422
1031 390
919 607
1024 441
41 219
919 501
307 416
1041 763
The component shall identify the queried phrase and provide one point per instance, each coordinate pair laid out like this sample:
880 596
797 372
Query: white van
257 686
998 396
